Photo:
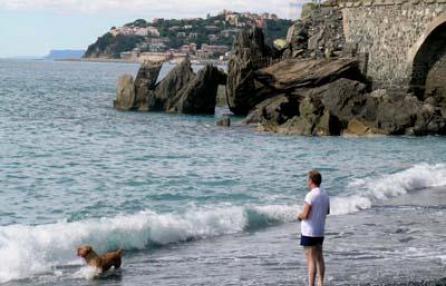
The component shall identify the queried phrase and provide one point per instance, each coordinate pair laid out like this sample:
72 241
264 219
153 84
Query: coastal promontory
321 82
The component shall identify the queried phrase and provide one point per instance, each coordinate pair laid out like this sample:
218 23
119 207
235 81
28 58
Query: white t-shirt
319 201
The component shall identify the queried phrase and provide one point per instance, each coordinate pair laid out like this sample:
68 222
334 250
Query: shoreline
140 61
98 60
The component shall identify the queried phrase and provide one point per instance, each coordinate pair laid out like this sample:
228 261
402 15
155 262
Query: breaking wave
369 190
31 250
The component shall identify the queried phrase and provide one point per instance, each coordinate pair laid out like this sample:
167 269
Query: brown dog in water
103 262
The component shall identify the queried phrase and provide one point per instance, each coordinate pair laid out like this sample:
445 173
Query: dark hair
315 177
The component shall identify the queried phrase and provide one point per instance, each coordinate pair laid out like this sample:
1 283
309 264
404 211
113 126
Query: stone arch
428 60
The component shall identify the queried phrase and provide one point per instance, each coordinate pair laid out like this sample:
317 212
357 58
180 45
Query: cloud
150 7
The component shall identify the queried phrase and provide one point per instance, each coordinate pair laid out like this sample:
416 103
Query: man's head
314 179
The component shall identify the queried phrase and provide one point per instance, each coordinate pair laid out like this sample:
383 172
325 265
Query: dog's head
84 250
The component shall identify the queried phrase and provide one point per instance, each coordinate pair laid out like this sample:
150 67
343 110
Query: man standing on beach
316 209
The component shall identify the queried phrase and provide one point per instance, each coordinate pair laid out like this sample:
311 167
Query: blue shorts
311 241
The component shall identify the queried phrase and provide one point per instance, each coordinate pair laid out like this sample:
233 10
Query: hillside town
200 39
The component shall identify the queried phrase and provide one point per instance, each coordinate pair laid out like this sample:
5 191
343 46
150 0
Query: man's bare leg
311 263
320 264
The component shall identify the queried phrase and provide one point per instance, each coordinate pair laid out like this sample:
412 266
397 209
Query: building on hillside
189 49
152 31
229 33
211 51
212 28
135 31
232 19
192 36
157 20
143 32
155 45
154 41
212 37
175 28
131 55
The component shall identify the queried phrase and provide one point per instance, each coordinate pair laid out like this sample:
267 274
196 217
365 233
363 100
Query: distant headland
65 54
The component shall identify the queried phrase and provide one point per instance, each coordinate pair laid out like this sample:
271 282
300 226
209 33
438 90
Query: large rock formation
135 95
277 110
168 91
345 107
400 114
125 95
314 120
293 74
249 54
145 83
314 87
199 96
318 89
255 74
181 91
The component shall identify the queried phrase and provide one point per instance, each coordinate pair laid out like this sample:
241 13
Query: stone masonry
393 33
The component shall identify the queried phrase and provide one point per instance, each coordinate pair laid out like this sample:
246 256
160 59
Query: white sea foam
369 190
30 250
87 272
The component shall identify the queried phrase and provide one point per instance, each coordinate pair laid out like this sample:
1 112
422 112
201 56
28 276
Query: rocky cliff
181 91
314 86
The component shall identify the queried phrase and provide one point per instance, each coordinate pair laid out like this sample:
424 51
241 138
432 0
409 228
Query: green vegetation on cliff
112 46
162 34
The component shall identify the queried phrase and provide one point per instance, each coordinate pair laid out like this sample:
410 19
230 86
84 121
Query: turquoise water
73 170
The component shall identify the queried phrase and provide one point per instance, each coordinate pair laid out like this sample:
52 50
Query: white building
153 31
135 31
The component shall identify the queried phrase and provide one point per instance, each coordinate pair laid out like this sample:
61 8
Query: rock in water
180 91
168 91
344 98
249 54
125 97
138 95
224 122
429 121
357 127
145 84
200 94
397 113
314 120
276 110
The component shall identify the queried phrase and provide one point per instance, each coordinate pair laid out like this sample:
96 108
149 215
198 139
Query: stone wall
391 32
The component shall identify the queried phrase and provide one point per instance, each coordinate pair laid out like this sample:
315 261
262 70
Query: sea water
196 204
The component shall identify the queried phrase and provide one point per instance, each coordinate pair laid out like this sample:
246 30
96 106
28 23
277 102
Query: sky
34 27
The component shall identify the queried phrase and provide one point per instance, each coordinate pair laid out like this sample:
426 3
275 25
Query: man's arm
305 213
